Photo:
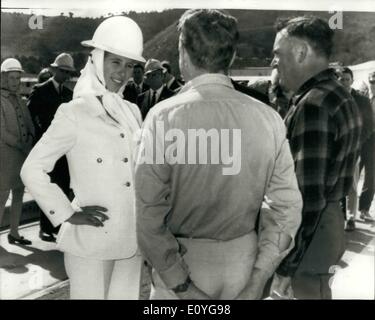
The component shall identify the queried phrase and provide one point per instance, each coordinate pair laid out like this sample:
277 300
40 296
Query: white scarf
91 84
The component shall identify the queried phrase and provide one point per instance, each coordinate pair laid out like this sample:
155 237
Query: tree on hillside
80 60
353 44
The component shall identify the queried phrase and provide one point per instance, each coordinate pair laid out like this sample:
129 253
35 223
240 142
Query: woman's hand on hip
90 215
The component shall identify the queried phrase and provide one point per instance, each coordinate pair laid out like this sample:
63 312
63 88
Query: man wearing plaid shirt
324 128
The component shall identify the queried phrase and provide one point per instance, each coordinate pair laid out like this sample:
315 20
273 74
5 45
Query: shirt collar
55 84
7 93
93 106
170 81
158 92
327 74
207 79
139 85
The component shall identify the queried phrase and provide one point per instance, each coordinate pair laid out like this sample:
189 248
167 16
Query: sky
96 8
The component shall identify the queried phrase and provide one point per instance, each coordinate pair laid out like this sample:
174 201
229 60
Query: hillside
37 48
353 44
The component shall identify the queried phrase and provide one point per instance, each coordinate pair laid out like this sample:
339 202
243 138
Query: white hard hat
119 35
11 64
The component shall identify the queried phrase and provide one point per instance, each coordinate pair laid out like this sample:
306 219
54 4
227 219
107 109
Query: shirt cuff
270 257
175 274
286 270
58 216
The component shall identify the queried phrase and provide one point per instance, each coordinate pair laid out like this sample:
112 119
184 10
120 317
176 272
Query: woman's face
14 80
117 70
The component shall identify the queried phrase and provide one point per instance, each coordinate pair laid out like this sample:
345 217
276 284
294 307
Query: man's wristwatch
182 287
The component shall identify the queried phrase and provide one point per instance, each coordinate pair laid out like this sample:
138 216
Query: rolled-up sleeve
280 215
153 187
56 142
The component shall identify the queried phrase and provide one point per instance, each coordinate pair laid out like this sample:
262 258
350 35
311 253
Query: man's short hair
44 75
139 65
347 70
314 30
210 37
167 66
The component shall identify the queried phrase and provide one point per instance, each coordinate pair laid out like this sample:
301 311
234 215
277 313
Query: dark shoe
49 237
350 225
21 240
365 215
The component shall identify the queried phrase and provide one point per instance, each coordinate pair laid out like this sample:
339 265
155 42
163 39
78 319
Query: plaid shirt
324 129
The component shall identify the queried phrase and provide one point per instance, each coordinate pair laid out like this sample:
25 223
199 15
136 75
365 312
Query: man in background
365 161
43 102
170 80
134 88
368 189
154 73
44 75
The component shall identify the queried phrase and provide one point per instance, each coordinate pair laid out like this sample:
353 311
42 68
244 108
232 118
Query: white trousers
219 268
103 279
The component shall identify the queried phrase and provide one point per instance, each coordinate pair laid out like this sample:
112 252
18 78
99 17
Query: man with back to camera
195 220
323 128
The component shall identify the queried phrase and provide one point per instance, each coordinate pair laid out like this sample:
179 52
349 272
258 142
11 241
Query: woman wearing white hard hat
95 133
17 133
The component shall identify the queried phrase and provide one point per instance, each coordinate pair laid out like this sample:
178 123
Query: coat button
51 212
127 184
99 160
122 135
125 160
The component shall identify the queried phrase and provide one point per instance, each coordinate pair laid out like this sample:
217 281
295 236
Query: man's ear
187 64
233 58
185 56
302 49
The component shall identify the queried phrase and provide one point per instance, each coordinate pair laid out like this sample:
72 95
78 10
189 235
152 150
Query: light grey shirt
199 200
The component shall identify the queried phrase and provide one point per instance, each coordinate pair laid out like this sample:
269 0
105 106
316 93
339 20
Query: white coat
100 156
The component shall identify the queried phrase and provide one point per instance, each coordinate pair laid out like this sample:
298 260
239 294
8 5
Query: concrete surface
25 270
37 271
